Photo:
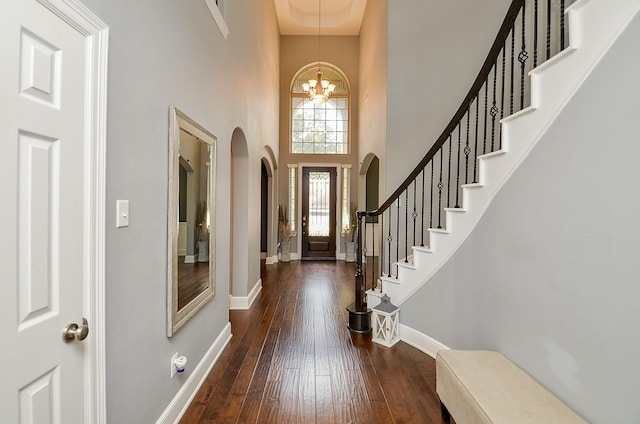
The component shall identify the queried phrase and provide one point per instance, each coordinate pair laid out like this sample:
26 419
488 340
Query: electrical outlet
173 364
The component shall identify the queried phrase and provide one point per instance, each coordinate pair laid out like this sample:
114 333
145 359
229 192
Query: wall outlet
173 364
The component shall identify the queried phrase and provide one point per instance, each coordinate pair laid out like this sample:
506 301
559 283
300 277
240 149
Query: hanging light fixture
318 89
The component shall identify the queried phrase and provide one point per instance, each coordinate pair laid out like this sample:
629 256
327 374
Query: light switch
122 208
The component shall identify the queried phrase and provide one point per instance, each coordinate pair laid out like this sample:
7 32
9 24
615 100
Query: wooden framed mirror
191 219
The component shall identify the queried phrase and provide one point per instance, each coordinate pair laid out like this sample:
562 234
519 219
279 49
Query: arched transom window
320 128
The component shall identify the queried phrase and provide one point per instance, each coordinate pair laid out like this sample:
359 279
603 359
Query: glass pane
308 113
341 104
319 204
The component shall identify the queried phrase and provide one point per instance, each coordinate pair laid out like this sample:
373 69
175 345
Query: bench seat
484 387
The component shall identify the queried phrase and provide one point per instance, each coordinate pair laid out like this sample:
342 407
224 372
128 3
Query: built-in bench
478 387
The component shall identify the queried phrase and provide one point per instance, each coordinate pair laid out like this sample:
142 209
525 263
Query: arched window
320 128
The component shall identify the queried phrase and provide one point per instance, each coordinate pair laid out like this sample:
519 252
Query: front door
318 213
47 212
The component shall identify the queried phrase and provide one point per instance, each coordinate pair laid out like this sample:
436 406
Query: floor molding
421 341
245 302
189 389
270 260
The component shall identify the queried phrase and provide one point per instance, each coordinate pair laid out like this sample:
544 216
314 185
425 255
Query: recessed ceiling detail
339 17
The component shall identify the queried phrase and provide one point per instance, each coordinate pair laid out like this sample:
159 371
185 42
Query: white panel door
43 247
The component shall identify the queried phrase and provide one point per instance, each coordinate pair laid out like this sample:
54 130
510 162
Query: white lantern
386 321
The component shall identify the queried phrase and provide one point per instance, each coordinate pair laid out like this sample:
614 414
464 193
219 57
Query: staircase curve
526 80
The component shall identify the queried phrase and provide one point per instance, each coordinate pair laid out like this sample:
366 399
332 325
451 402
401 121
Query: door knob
75 332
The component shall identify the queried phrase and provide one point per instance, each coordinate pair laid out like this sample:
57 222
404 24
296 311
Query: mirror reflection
191 264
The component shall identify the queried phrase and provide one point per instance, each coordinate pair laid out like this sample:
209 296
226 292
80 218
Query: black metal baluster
449 176
406 226
513 54
364 253
475 146
562 25
422 213
440 186
458 168
494 108
522 58
397 235
467 149
381 260
431 199
373 254
548 29
504 70
486 106
389 239
535 33
414 213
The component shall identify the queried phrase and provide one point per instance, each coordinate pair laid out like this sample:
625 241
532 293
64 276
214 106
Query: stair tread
472 185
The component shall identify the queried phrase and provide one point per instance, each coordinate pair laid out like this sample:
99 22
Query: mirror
191 219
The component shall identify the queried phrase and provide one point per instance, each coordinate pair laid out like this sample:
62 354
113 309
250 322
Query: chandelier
318 89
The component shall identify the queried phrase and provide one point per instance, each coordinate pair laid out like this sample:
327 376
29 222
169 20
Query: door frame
338 167
96 33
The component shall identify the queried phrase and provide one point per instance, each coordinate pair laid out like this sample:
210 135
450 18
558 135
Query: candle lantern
386 317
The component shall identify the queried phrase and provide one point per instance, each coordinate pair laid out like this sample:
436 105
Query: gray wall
435 50
373 91
550 274
163 53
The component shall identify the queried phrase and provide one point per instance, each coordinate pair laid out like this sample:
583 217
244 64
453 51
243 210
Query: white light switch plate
122 209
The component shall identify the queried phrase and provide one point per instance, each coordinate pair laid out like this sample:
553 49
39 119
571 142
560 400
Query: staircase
432 213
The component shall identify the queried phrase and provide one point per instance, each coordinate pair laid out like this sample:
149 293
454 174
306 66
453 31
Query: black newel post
359 314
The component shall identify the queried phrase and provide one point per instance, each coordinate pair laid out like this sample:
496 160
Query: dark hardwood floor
192 280
293 360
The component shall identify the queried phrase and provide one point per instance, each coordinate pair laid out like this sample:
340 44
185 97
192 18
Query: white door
45 204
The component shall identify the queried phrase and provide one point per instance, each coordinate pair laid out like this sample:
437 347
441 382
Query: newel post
359 314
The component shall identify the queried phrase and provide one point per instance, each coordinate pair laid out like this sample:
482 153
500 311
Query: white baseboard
190 259
189 389
421 341
292 256
341 256
270 260
245 302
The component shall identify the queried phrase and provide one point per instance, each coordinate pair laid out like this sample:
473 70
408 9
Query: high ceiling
339 17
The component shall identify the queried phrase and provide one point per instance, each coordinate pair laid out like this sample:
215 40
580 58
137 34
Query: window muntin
323 128
346 198
292 197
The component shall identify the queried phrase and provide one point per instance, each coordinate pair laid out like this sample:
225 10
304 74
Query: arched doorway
238 249
370 197
268 219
